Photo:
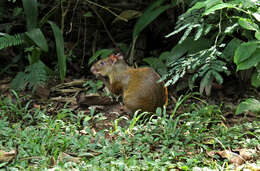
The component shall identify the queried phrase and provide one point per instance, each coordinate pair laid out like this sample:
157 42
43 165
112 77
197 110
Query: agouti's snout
94 70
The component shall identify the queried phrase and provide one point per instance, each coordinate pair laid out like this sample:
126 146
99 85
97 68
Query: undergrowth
156 143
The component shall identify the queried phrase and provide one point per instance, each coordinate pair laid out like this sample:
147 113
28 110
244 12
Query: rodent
139 86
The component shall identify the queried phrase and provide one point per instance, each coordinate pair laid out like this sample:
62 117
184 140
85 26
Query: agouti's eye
102 63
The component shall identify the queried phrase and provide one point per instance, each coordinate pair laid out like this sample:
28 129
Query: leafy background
205 46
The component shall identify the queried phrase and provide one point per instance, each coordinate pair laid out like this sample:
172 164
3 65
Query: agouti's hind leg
126 110
130 105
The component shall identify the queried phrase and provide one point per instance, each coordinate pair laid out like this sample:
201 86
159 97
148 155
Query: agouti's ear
113 58
119 56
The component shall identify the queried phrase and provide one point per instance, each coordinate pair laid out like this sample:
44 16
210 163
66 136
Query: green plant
248 105
93 86
210 51
163 141
103 53
35 44
8 40
33 76
149 15
15 110
158 63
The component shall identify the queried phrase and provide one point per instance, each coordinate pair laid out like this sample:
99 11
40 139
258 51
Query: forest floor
58 127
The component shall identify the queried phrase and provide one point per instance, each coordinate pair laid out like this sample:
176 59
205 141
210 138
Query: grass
158 143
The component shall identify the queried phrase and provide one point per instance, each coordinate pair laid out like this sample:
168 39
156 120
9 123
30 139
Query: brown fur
140 87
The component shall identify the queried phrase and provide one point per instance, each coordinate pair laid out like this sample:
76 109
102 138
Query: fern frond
204 65
33 76
36 75
188 22
8 40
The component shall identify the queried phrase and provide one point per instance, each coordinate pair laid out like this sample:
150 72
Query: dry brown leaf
232 157
37 106
79 82
211 153
67 157
72 100
258 147
94 131
128 15
83 132
52 162
42 92
93 99
247 154
4 87
186 133
7 156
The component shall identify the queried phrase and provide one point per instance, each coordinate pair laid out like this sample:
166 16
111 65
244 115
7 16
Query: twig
106 8
101 19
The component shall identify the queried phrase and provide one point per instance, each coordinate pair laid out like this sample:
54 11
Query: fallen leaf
93 99
67 157
93 131
37 106
7 156
211 153
42 92
232 157
83 132
247 154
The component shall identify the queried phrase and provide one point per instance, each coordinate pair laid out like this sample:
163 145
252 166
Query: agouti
139 86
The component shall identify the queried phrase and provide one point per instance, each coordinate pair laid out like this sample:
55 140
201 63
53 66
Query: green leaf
229 51
248 105
207 29
253 60
257 35
164 56
206 83
150 14
88 14
60 49
188 45
38 38
103 53
8 40
255 79
244 51
249 4
212 3
19 81
31 13
257 16
231 29
218 7
186 34
157 64
218 77
248 24
34 56
178 30
179 50
198 5
199 32
199 45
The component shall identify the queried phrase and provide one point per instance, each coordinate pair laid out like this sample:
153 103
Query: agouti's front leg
105 80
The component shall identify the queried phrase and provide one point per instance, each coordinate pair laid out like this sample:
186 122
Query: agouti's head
107 65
